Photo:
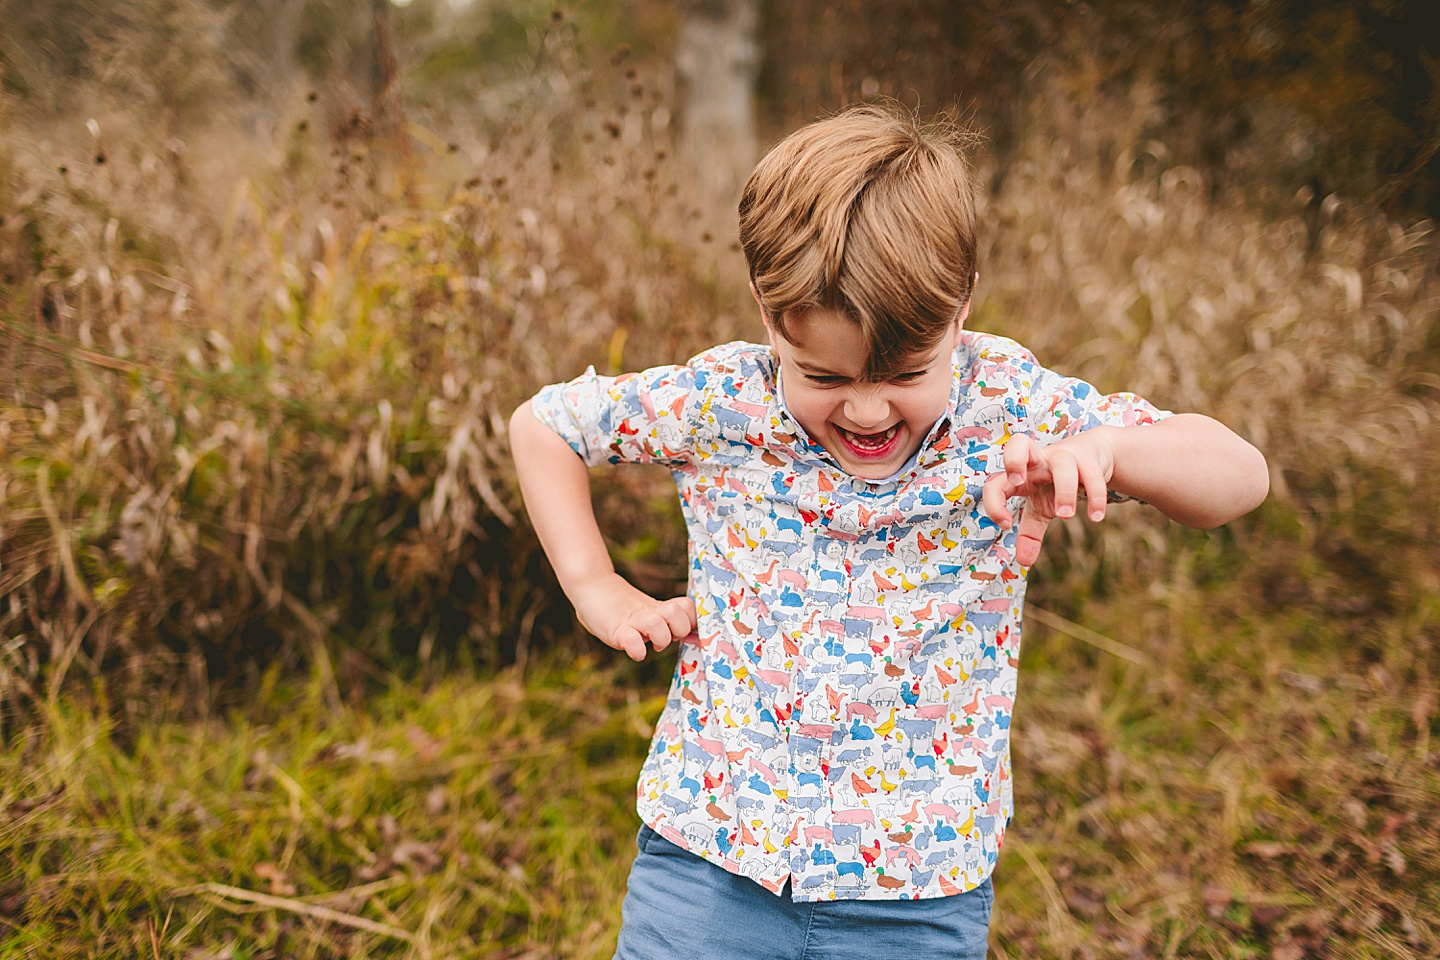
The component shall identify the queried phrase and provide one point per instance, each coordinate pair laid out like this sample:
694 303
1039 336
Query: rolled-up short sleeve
1060 407
640 417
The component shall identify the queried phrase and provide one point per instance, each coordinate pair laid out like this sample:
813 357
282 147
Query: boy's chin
869 471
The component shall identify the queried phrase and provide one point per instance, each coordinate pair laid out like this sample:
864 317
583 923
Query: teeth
872 440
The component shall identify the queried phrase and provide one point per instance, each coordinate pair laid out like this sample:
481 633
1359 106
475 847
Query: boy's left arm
1193 469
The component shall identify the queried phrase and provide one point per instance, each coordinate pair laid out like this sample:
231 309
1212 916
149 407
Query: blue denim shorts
680 907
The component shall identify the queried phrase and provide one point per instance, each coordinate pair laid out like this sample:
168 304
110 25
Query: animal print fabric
841 718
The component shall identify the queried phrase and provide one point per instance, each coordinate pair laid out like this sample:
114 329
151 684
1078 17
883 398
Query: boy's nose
867 407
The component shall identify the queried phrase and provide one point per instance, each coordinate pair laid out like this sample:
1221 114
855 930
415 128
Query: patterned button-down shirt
841 718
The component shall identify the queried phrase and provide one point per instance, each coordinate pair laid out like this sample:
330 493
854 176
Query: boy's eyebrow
814 371
811 368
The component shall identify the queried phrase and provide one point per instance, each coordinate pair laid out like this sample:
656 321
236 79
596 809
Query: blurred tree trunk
387 108
717 62
260 39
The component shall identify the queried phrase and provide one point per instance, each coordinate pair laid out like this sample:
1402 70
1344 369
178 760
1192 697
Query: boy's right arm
556 485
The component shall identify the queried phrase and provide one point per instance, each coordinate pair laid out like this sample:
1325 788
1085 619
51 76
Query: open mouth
870 444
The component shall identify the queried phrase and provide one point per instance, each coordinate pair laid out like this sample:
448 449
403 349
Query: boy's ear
960 324
965 310
770 333
764 316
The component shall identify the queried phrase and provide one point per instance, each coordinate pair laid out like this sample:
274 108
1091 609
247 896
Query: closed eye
825 381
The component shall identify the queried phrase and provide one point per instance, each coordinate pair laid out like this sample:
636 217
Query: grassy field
282 675
473 818
1191 782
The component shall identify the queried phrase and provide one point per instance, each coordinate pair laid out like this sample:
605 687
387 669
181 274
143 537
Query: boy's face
871 429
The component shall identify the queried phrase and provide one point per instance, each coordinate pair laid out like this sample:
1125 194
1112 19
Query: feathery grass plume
1321 353
248 423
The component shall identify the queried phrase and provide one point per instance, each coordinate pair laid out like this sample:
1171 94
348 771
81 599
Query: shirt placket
792 793
831 595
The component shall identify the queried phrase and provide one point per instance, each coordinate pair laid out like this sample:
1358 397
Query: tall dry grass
254 399
1314 335
255 407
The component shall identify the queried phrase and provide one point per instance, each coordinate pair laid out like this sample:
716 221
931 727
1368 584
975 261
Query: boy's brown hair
869 213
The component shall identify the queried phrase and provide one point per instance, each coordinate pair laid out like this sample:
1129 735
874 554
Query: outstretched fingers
1021 455
1041 505
1030 536
1064 483
1073 469
1097 491
997 491
1051 479
1022 458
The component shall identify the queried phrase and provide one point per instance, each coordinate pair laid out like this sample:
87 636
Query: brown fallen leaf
1216 900
1289 950
1266 914
279 881
1269 850
421 856
1086 901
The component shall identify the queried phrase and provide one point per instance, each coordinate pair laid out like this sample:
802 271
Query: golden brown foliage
248 415
242 418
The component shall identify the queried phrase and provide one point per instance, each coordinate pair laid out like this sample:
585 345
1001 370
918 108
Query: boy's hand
626 618
1050 478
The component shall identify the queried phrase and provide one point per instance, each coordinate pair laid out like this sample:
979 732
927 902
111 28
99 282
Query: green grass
1264 784
474 818
1253 789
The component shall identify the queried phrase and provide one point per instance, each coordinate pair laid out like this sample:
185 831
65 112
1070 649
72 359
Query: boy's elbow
1258 479
1252 486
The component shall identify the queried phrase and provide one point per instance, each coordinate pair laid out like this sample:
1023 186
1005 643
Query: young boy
863 496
